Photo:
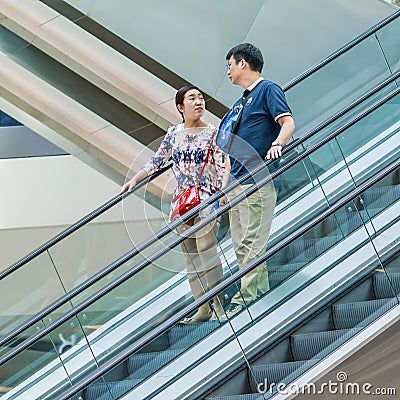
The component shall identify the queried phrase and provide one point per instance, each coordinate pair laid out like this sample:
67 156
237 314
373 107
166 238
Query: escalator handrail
149 259
75 226
117 199
342 50
111 267
164 326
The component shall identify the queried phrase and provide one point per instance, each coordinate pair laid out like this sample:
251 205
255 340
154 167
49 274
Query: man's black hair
249 53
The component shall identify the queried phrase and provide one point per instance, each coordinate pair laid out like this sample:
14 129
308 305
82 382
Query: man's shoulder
269 89
264 84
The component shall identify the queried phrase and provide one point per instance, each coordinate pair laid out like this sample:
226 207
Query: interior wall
193 41
41 196
20 141
375 365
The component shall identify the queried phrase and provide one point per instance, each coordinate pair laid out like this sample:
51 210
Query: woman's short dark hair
249 53
180 95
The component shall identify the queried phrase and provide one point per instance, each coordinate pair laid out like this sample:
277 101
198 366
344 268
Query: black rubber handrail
116 200
113 266
150 259
342 50
172 321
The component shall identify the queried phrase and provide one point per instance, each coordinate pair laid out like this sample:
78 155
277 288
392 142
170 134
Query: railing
342 50
172 321
91 216
137 268
169 228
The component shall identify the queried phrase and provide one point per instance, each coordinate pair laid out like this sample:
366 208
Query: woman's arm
128 186
160 158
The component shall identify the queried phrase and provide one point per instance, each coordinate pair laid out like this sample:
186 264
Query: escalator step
335 225
348 222
275 373
109 391
380 197
142 365
307 345
386 285
315 247
288 254
118 373
290 268
278 274
160 343
359 313
183 336
303 251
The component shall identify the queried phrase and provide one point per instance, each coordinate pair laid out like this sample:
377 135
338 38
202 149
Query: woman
188 144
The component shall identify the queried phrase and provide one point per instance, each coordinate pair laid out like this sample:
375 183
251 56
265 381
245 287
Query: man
261 125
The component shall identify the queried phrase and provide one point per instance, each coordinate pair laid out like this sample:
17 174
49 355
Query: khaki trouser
203 264
250 223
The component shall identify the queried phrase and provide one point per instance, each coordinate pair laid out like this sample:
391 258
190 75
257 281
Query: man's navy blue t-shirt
257 127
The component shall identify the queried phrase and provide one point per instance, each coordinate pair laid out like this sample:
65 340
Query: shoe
196 318
217 310
217 314
230 311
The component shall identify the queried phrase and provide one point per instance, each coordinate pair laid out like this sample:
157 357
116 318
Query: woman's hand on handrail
130 185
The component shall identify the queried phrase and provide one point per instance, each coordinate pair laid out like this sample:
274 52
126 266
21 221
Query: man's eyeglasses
228 66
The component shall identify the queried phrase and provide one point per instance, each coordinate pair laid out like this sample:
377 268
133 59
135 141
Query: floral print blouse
188 149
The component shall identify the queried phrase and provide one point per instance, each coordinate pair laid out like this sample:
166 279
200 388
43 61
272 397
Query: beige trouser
250 223
203 264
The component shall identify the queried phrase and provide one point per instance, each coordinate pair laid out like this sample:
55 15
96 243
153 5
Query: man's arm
223 200
287 128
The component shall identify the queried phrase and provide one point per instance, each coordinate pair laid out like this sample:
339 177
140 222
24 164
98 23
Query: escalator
86 247
337 297
65 263
84 327
71 261
209 350
52 268
366 301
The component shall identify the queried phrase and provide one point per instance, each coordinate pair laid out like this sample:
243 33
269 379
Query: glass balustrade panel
345 78
27 291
